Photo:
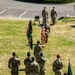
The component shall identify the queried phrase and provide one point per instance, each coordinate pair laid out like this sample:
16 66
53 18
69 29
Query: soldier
41 61
37 49
45 15
47 29
34 68
53 15
14 64
27 61
57 66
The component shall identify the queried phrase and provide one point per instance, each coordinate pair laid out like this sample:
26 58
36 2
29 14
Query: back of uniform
37 50
34 69
14 65
57 67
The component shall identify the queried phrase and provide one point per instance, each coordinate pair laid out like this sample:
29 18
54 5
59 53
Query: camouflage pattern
27 61
47 29
45 15
34 68
57 67
37 50
41 61
53 15
14 64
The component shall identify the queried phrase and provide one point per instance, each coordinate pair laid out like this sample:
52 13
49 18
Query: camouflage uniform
41 61
47 29
45 15
53 15
34 68
27 61
37 50
13 64
57 67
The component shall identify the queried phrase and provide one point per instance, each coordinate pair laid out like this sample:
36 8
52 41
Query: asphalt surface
23 10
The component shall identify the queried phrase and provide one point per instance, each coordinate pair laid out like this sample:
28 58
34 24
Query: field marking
22 14
2 11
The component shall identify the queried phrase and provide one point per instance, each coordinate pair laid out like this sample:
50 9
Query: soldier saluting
57 66
14 64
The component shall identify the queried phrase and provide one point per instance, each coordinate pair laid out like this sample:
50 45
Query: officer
37 49
45 15
53 15
27 61
57 66
47 30
41 61
14 64
34 68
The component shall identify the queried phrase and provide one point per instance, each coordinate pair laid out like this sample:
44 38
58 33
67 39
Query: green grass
13 38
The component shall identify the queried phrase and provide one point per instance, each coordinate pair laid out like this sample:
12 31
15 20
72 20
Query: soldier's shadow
73 26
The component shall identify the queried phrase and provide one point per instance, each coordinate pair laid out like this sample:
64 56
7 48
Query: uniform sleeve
9 63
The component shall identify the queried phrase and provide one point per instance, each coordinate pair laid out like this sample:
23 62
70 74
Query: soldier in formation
37 49
27 61
34 68
47 30
45 15
41 61
57 66
14 64
53 15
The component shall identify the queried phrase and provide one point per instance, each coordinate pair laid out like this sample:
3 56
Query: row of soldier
35 65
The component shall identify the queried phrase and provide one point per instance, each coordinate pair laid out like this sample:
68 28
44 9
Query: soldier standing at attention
47 30
53 15
27 61
37 49
14 64
57 66
41 61
34 68
45 15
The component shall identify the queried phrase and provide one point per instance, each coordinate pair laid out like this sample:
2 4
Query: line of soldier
53 15
34 65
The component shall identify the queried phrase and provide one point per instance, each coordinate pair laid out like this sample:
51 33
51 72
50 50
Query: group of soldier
53 14
36 65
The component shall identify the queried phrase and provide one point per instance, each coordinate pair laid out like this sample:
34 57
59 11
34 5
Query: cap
38 42
28 53
14 54
58 55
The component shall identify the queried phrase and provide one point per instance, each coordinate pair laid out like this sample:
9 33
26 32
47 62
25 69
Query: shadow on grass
73 26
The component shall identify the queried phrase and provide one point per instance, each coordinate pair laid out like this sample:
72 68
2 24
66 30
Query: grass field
13 38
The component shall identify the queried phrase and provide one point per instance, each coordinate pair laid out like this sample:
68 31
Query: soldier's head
65 74
13 54
30 22
53 7
38 42
44 8
33 59
58 55
41 54
28 54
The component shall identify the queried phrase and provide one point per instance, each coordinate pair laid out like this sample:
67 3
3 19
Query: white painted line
2 11
22 14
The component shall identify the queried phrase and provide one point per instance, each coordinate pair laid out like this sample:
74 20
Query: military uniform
45 15
37 50
53 15
41 61
13 64
57 67
34 68
47 29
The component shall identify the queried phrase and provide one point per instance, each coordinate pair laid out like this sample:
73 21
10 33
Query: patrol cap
28 53
33 58
41 53
58 55
38 42
14 54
